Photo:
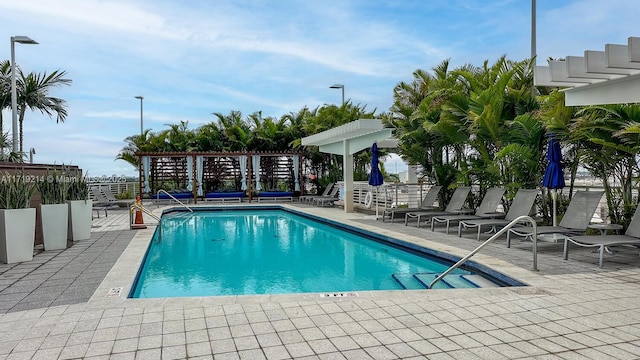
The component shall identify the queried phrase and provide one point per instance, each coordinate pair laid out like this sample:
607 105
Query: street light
338 86
14 95
141 128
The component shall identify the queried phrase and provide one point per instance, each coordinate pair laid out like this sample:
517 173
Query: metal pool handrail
172 197
145 210
517 220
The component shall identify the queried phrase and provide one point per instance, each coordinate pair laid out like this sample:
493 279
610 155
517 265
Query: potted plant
54 213
80 207
17 219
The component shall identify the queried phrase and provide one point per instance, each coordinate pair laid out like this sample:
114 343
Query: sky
191 59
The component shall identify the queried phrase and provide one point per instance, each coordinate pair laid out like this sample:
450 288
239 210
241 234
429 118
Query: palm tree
608 150
33 93
5 90
235 131
135 144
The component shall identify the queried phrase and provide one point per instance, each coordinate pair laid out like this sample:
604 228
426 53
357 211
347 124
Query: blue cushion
224 194
182 195
274 193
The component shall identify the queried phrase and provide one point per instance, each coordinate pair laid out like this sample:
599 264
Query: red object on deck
138 222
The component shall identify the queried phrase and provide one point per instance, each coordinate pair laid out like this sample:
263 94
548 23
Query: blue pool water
241 252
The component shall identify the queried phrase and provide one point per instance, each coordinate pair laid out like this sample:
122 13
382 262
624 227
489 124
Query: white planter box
17 235
55 222
79 219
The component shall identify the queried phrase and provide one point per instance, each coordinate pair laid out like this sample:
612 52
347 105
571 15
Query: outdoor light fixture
338 86
141 127
14 95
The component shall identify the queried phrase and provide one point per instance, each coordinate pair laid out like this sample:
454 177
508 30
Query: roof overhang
352 137
611 76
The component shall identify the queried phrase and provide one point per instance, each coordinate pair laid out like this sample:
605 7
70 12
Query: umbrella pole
554 196
376 199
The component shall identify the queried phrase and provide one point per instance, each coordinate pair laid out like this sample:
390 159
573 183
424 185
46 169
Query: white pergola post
412 178
347 171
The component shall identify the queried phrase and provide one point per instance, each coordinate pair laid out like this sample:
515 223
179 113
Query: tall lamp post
14 95
141 127
338 86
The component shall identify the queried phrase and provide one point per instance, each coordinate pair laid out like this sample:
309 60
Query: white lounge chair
521 206
487 209
574 222
453 207
426 205
602 242
330 191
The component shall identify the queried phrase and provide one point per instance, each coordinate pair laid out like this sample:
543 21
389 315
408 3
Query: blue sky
190 59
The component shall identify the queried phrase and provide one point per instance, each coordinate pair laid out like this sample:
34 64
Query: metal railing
516 221
173 198
138 206
389 195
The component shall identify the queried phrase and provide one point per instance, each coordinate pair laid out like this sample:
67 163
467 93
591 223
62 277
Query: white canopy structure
611 76
347 140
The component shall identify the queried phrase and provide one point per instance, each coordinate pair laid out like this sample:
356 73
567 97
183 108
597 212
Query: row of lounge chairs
571 228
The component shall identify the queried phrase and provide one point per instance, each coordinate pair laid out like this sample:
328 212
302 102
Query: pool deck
66 305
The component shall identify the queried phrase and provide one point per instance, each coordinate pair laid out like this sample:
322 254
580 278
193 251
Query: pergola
611 76
347 140
199 172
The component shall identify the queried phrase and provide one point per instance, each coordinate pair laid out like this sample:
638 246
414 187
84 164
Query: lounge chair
101 203
574 222
275 196
602 242
106 190
330 191
327 200
487 209
426 205
521 206
454 207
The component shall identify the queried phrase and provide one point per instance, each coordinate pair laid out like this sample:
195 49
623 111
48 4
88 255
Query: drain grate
349 294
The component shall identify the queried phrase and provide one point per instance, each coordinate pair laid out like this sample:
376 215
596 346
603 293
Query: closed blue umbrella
553 174
375 177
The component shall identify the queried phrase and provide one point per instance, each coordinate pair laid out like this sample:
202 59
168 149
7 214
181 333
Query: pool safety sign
114 292
349 294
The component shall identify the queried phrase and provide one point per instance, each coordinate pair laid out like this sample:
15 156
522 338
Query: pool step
408 281
479 281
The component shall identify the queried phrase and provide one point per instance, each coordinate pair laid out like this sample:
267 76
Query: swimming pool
273 250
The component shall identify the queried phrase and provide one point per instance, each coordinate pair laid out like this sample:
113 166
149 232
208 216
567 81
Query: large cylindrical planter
17 235
55 223
79 219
